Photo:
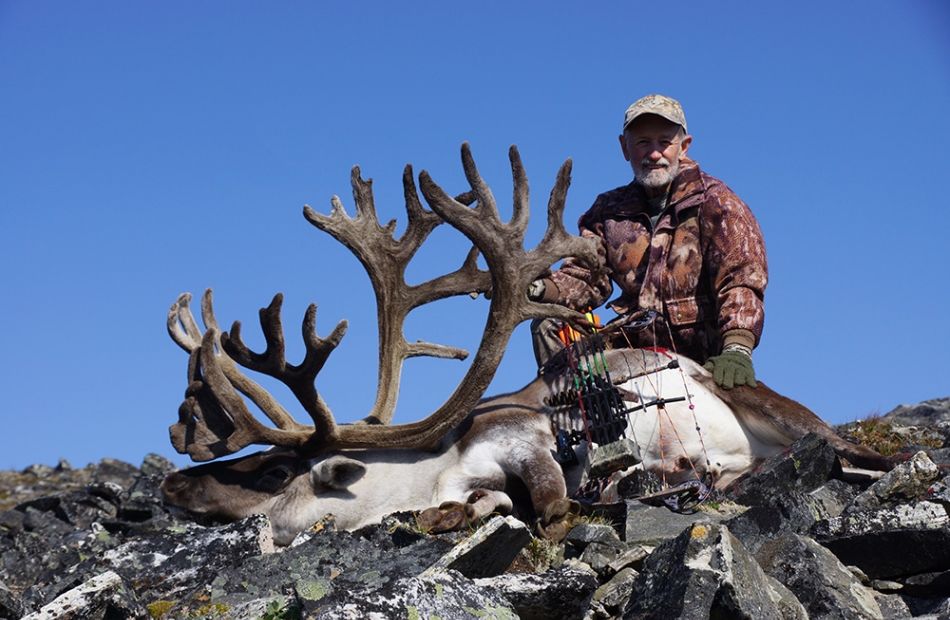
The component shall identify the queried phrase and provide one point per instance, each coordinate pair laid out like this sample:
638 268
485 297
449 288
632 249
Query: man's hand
732 367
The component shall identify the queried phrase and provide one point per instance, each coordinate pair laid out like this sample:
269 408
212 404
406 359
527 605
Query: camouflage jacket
703 268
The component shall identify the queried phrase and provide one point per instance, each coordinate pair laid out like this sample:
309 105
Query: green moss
158 609
412 613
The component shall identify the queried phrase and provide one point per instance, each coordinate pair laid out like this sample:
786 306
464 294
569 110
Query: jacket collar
686 191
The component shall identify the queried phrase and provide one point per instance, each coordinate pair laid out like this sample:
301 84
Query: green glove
732 368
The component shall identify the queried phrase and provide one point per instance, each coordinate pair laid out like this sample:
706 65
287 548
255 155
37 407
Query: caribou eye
274 479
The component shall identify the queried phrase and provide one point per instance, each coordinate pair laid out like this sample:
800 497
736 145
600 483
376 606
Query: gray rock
10 605
487 552
902 539
632 557
174 562
830 499
599 556
104 596
329 565
652 525
792 512
803 467
927 413
558 594
892 606
821 583
606 459
705 572
156 465
928 608
584 534
908 481
926 584
614 594
446 595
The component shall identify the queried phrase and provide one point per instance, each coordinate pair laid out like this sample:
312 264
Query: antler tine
299 378
385 260
214 420
520 199
181 324
512 269
485 199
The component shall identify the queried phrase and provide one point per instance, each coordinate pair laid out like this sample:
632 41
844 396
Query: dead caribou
455 464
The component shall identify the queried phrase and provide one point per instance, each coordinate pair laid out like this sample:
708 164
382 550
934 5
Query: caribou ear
336 472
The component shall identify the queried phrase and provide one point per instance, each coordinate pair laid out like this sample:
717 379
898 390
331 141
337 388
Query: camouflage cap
661 105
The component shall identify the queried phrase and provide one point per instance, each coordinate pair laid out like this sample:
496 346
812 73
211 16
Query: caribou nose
173 484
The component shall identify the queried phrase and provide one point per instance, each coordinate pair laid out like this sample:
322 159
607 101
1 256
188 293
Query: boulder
704 572
561 593
487 552
102 597
898 527
652 525
901 540
825 587
932 412
446 595
803 467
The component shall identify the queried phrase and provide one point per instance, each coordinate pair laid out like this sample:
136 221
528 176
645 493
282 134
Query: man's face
654 147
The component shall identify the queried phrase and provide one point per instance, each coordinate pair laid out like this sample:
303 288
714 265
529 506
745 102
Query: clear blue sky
150 148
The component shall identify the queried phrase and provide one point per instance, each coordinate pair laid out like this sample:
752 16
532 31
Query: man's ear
684 144
623 147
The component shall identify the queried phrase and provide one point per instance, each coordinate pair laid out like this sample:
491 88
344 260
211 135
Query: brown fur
778 420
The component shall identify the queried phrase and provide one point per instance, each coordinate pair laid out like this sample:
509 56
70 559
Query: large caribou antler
214 419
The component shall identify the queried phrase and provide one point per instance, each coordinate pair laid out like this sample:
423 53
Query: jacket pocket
685 311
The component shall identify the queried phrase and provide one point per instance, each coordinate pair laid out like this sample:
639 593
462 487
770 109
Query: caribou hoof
447 517
558 519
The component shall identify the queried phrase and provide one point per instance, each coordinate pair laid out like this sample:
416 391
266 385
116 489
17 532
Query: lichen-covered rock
704 572
103 596
892 606
609 599
906 482
165 565
803 467
487 552
446 595
818 579
890 542
926 413
10 605
558 594
652 525
598 556
584 534
329 564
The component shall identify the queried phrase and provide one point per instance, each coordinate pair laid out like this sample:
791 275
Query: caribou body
508 441
465 459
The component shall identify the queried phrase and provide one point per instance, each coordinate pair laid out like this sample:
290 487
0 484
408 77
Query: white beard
659 177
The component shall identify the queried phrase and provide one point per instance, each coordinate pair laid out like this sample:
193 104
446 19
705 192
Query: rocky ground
790 541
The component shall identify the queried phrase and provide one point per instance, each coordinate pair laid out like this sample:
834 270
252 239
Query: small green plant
280 610
540 554
593 520
158 609
880 435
